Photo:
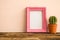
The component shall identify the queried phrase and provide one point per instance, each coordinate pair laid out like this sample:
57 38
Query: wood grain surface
28 36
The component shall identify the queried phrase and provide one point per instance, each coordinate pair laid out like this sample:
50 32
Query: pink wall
12 13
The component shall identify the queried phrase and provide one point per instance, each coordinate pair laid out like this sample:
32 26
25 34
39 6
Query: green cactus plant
52 20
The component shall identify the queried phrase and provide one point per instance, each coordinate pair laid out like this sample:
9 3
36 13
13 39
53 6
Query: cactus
52 20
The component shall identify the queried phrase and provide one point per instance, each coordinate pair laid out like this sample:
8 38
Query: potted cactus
52 24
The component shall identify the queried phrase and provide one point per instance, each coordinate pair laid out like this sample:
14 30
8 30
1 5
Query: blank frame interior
35 20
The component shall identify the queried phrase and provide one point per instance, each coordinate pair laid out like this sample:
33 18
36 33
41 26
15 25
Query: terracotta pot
52 28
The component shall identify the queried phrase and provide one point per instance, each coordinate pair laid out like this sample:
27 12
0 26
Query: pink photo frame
43 12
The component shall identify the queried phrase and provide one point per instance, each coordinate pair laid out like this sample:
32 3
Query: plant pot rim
52 24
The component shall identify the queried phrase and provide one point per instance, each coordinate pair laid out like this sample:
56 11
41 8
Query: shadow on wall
25 21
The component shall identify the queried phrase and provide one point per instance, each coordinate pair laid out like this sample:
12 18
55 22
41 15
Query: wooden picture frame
36 19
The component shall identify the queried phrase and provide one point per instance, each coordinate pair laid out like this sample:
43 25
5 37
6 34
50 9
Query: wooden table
28 36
